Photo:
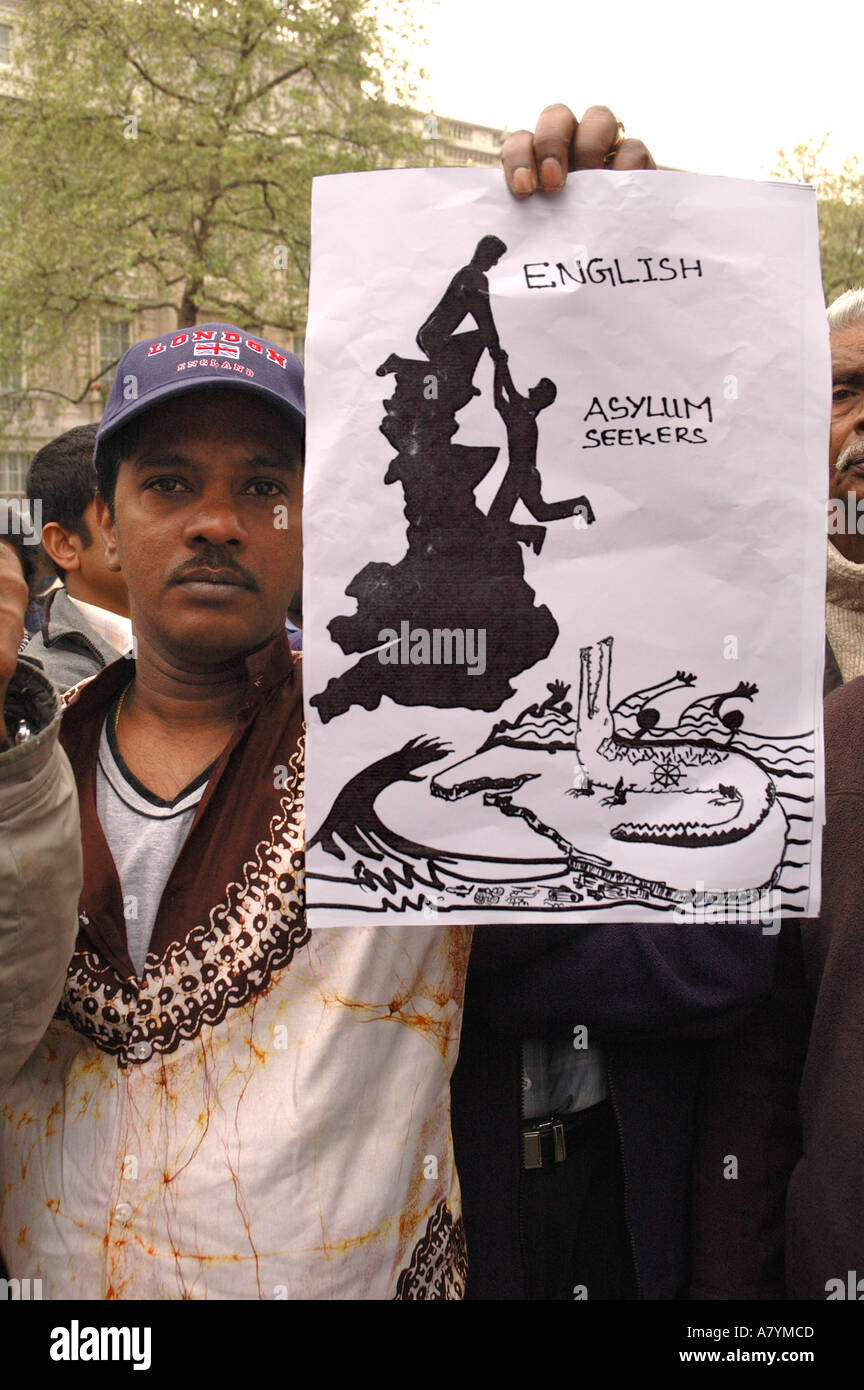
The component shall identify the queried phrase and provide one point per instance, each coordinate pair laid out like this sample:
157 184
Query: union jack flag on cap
205 355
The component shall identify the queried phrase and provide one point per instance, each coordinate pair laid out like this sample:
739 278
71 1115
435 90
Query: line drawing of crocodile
730 794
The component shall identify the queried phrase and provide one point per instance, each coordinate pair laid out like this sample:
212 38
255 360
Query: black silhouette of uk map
463 570
586 801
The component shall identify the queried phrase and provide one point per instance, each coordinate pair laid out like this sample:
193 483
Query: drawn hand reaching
558 690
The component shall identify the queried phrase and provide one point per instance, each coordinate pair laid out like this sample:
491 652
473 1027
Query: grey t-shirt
144 834
560 1078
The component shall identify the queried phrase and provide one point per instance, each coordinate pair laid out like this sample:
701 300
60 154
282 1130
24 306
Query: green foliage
841 212
160 153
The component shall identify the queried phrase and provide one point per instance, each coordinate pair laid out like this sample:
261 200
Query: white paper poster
565 539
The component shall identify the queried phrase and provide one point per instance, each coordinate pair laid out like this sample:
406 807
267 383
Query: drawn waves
791 762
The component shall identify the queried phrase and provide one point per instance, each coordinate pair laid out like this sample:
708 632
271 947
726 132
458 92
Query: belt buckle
532 1144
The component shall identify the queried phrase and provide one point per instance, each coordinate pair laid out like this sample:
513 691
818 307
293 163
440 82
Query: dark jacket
67 647
789 1099
649 996
825 1210
40 868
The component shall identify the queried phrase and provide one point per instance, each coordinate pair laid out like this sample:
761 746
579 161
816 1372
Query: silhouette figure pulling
467 293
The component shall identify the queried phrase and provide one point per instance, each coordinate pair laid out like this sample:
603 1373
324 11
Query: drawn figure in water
635 716
522 479
707 719
547 719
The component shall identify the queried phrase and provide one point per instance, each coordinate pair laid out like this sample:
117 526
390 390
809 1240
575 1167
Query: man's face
847 412
207 526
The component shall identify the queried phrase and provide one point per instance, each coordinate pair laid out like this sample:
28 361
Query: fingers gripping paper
565 541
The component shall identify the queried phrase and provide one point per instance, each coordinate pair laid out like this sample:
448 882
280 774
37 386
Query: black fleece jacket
650 996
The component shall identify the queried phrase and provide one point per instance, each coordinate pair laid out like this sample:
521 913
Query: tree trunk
187 314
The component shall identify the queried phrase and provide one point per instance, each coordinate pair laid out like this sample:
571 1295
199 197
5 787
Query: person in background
844 609
17 530
85 617
782 1099
43 578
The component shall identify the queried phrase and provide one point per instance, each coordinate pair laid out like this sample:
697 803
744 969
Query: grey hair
847 309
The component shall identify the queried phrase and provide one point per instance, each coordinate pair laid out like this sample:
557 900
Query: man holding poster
252 1108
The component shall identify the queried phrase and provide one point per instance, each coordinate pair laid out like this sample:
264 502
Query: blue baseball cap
207 354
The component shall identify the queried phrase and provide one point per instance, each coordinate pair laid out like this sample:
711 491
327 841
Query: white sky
717 88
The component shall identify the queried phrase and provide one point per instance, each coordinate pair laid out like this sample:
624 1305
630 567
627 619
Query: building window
13 472
458 155
5 41
113 342
298 346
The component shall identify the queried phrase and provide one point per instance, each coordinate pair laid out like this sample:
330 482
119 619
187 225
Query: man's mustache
213 558
852 454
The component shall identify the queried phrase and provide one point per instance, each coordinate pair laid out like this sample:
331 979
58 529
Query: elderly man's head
846 322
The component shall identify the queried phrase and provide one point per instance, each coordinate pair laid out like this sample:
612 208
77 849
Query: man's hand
13 606
561 143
